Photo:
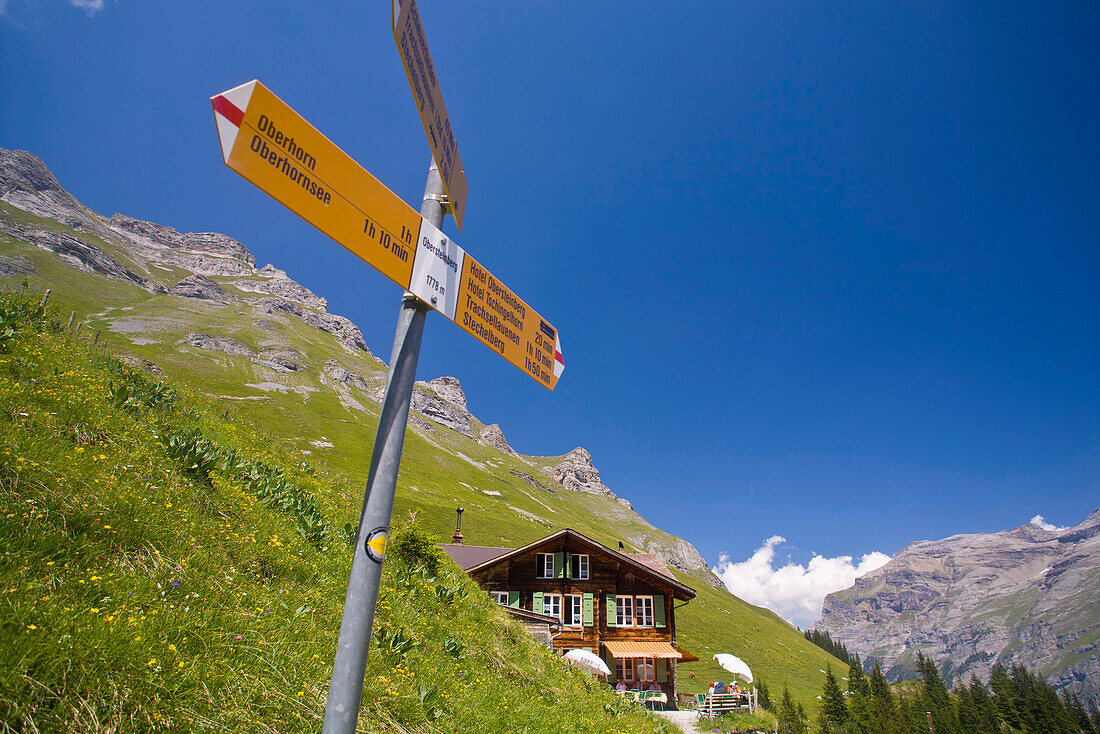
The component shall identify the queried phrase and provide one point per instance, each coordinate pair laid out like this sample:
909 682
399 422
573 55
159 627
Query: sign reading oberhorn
273 147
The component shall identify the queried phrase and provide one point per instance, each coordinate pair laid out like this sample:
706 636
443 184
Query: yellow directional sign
413 45
272 146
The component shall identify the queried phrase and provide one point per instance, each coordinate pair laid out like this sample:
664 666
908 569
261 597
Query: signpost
272 146
413 46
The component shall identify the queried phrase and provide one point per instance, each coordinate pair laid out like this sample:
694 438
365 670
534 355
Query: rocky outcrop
1026 596
280 359
17 265
196 286
79 254
26 183
443 401
493 436
338 326
225 344
275 282
577 473
159 236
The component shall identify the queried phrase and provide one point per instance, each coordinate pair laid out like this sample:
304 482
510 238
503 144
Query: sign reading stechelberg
412 44
273 147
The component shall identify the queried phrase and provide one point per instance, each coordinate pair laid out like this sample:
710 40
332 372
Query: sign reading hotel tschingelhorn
273 147
413 46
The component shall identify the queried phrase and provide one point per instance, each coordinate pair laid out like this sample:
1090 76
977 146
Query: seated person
620 686
735 689
654 687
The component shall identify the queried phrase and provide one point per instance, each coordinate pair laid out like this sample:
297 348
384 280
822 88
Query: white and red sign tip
559 358
229 109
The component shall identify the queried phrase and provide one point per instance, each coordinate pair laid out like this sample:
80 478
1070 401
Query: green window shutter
513 599
659 610
586 609
661 668
536 602
610 601
568 565
559 566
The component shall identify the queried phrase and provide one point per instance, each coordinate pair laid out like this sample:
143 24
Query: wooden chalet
621 606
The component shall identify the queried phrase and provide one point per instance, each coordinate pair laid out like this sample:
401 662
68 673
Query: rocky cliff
1028 595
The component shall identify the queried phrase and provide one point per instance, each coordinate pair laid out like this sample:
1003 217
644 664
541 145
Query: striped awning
639 649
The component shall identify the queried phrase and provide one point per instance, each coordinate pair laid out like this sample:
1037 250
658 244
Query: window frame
546 597
620 602
581 560
624 669
575 604
638 616
647 665
542 561
500 597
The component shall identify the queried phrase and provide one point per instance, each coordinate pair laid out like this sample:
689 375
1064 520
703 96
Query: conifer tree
934 697
1077 713
1004 696
789 720
882 710
763 696
833 708
859 699
857 680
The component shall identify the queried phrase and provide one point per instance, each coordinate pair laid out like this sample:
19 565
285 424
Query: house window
644 668
573 616
644 611
624 669
500 597
551 604
544 565
579 566
624 611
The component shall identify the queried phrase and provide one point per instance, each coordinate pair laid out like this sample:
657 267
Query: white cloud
1040 522
793 591
91 7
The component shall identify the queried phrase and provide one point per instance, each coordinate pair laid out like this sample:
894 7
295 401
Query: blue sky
821 271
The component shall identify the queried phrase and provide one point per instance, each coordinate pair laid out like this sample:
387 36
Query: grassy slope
137 595
434 477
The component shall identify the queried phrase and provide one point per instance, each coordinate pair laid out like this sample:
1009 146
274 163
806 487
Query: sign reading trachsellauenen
273 147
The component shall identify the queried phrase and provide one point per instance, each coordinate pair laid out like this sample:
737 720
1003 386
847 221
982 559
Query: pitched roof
468 556
639 561
651 560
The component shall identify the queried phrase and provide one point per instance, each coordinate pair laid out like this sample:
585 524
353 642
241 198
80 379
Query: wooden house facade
621 606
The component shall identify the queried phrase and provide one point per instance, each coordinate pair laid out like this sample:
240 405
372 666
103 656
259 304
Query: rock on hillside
577 474
493 436
26 183
1028 595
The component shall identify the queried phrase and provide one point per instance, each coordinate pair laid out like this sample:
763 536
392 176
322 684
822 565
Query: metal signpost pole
346 690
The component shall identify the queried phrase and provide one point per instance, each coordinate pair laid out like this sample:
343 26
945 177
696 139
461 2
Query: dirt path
686 720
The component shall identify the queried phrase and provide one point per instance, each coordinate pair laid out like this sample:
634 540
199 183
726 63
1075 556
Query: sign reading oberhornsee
273 147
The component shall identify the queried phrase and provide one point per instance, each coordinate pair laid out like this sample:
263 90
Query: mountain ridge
1021 596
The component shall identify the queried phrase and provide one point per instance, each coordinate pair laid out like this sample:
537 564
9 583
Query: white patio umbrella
735 665
587 661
